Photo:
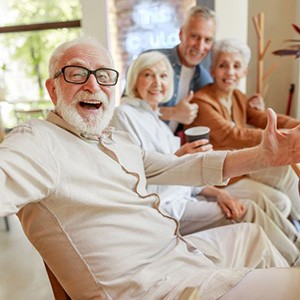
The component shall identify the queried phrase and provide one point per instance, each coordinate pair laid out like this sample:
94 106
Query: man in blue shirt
196 40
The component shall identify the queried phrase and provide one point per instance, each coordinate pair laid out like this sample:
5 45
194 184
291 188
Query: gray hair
143 62
230 46
199 11
61 49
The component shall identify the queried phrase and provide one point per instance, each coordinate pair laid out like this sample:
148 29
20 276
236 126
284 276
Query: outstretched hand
279 147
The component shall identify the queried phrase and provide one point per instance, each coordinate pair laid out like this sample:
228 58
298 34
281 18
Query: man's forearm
243 161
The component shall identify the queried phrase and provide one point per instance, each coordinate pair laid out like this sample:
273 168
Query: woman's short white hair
143 62
230 46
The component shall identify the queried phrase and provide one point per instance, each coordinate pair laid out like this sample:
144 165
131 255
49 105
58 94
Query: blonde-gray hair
143 62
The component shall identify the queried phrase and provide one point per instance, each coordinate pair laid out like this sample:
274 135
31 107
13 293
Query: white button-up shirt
83 204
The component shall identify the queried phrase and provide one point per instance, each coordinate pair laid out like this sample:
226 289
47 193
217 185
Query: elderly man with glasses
79 190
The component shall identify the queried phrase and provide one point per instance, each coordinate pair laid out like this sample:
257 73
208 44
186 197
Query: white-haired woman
225 109
150 82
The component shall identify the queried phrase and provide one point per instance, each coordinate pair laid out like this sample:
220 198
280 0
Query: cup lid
197 130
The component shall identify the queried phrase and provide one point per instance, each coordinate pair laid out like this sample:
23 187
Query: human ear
181 33
51 90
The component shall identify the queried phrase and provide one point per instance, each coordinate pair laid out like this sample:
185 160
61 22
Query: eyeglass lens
80 75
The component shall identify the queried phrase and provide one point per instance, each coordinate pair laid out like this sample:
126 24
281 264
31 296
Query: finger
199 142
187 121
194 107
234 210
256 95
196 149
252 98
243 209
226 211
239 211
190 96
207 147
272 121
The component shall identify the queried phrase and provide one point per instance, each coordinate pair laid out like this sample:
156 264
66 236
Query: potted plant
293 47
294 50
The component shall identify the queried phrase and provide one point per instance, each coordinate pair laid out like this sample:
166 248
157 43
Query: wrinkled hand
257 101
231 207
279 148
186 112
194 147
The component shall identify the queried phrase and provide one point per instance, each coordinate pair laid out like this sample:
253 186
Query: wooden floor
22 273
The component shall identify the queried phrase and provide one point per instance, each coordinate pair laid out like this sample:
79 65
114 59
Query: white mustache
87 96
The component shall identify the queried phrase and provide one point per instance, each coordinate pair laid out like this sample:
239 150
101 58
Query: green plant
293 48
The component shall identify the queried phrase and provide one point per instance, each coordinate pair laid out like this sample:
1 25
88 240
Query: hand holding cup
197 141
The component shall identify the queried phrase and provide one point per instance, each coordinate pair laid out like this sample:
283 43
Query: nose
200 45
156 80
91 85
230 70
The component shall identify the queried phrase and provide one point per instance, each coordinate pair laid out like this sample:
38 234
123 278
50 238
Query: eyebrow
75 61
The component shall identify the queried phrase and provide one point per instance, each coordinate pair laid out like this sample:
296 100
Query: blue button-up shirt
201 76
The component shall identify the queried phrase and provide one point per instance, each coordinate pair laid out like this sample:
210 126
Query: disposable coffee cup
197 133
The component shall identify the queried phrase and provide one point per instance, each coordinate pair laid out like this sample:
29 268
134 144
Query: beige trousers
238 245
229 247
248 188
267 284
285 180
204 215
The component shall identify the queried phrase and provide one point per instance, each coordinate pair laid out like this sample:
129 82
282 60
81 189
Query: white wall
232 16
279 15
94 20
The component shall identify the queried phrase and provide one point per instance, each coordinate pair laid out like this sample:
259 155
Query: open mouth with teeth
90 105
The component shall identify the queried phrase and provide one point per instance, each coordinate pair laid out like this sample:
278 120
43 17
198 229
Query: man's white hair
60 51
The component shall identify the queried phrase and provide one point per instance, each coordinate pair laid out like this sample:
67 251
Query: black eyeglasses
79 75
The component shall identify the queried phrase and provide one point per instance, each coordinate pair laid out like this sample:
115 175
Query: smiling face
152 84
89 106
227 72
197 38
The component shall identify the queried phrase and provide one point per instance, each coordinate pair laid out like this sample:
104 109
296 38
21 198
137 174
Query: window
30 30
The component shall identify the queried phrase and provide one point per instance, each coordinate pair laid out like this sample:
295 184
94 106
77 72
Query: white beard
94 124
